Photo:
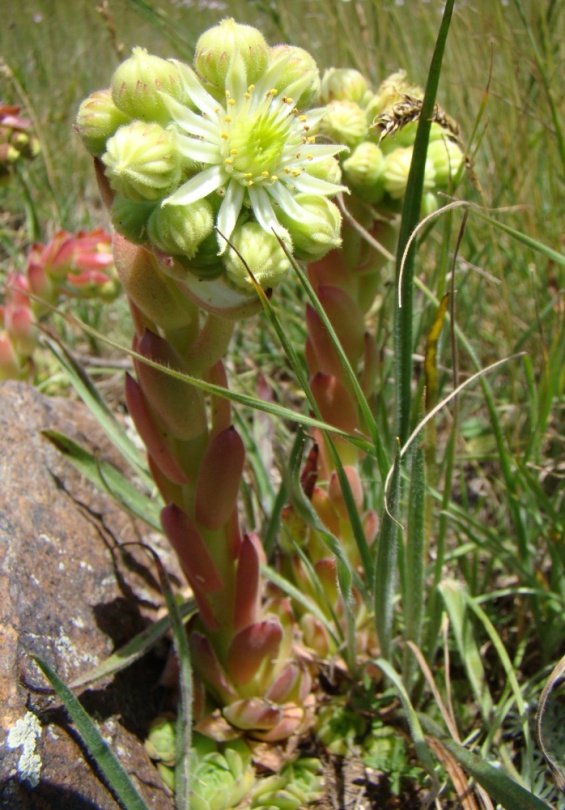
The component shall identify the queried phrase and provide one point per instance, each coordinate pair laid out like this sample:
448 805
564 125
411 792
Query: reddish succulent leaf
251 647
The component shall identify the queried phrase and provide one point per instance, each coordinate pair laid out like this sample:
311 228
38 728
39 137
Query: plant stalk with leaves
208 171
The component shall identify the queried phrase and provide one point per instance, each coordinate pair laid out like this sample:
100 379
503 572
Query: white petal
198 187
190 121
203 100
314 116
274 72
312 185
229 212
288 204
264 213
320 151
196 149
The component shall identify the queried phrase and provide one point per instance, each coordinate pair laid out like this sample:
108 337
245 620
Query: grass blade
108 479
134 649
455 602
385 563
105 418
499 786
114 774
416 732
410 217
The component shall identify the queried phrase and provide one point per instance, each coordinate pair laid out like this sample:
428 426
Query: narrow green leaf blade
114 774
107 478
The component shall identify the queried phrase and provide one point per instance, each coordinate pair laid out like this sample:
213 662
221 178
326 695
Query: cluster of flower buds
79 266
17 141
216 167
380 128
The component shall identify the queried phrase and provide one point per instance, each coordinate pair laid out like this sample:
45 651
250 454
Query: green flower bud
327 169
142 162
261 252
395 173
390 91
180 229
318 232
138 82
345 122
206 261
447 159
364 171
130 218
97 120
218 47
430 203
343 84
300 77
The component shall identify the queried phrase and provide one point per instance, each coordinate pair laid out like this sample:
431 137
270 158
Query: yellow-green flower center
255 143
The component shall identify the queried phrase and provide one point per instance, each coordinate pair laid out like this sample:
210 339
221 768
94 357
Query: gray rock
68 595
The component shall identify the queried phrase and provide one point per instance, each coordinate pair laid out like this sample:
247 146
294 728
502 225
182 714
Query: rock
68 596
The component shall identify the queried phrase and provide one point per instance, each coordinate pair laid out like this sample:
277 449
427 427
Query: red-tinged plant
204 170
70 265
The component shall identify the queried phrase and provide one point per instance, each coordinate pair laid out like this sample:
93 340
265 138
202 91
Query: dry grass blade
456 774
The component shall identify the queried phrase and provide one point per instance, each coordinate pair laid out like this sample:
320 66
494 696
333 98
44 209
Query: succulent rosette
218 167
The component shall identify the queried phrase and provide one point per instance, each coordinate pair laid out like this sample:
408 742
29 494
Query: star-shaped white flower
255 148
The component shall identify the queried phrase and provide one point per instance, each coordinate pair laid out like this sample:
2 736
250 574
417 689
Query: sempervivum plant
219 154
208 170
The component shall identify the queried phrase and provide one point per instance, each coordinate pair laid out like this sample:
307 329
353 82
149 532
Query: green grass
487 542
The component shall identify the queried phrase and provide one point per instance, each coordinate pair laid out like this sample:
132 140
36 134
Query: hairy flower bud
141 162
390 91
396 169
343 84
299 77
318 232
447 158
97 120
231 45
261 252
138 84
180 229
130 218
345 122
363 171
327 169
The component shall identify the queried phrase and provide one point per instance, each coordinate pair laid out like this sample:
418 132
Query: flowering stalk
205 169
